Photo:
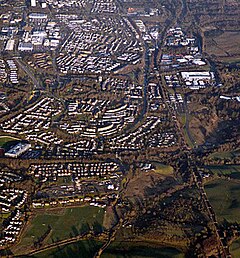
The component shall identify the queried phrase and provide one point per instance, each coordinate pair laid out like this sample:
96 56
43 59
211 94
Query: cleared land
224 196
232 171
64 223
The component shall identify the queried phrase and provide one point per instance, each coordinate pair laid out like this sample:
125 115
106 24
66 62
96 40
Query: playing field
224 196
64 223
233 171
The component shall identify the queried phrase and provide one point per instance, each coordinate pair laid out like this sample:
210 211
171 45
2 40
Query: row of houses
8 176
12 229
54 171
99 45
63 4
35 121
104 6
3 71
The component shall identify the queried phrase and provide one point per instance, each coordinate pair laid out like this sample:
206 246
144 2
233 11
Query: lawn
65 223
233 171
80 249
224 196
140 250
162 169
235 249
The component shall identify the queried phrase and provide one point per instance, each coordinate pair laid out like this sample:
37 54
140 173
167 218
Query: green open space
235 248
79 249
224 196
139 250
7 141
64 223
187 138
225 154
162 169
232 171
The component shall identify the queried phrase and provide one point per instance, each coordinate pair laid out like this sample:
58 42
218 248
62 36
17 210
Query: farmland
235 249
225 155
64 223
140 250
232 171
224 196
83 249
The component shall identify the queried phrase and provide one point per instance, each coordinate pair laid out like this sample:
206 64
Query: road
30 74
224 250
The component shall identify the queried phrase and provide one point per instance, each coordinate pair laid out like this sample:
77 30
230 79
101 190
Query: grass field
186 137
140 250
7 140
233 171
225 154
65 223
224 196
162 169
80 249
235 249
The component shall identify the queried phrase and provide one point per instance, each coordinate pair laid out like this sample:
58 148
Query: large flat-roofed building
37 16
10 45
25 46
197 79
193 76
33 3
17 150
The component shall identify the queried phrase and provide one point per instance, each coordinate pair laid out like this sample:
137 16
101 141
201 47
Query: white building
33 3
25 46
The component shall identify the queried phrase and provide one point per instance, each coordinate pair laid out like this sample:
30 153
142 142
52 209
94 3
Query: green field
80 249
186 136
225 155
233 171
162 169
140 250
6 141
235 249
224 196
65 223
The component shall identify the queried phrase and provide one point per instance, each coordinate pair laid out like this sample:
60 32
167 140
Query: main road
27 70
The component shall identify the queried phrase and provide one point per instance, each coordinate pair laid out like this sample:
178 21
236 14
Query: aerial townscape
120 128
